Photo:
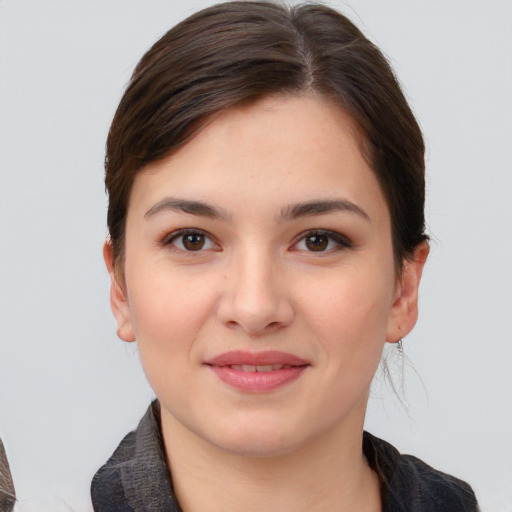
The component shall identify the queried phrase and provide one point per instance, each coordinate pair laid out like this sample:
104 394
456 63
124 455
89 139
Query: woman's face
259 281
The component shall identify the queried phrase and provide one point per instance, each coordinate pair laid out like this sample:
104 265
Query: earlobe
404 311
118 300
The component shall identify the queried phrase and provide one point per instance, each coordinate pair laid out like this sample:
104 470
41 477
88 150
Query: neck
329 474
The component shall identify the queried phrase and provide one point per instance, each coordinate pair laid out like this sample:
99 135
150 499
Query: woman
266 194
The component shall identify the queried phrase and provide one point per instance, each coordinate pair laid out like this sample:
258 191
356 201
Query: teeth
258 368
266 368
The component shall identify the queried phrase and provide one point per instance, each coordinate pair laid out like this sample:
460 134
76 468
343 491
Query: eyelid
167 240
342 241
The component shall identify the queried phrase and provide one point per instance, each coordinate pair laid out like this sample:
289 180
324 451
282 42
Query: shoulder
409 484
136 475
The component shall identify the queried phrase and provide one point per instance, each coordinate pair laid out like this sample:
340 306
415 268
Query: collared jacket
137 479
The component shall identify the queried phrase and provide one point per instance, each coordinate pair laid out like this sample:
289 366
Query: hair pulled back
238 52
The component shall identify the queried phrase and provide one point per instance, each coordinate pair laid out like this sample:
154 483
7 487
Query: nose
256 299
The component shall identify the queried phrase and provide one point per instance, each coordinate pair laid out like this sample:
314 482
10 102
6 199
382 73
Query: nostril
270 327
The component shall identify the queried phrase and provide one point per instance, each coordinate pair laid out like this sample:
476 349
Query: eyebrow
186 206
290 212
320 207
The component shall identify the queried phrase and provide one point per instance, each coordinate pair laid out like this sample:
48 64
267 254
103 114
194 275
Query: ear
118 300
404 311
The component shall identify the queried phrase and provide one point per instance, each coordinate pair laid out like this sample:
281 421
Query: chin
257 438
256 446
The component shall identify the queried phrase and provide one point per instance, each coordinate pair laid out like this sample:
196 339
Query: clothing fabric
136 477
7 495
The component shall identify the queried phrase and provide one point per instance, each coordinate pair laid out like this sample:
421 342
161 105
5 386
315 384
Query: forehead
280 149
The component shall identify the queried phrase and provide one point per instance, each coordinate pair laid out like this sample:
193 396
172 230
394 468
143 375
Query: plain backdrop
69 389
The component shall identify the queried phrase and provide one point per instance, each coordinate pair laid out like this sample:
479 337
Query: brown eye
193 241
322 241
317 242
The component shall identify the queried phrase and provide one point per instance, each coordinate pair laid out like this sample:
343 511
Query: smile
260 368
257 372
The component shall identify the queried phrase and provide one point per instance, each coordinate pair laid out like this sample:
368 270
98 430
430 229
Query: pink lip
256 358
254 381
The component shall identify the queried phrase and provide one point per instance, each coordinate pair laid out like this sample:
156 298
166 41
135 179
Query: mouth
267 360
257 372
259 368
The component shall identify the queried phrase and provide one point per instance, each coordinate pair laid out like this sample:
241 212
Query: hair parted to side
235 53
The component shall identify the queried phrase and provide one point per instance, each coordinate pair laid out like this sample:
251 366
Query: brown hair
238 52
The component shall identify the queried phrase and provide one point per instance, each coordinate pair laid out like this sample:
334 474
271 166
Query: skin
257 285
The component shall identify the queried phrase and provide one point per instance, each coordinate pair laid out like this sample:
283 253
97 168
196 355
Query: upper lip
270 357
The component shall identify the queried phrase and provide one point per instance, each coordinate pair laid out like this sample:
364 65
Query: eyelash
175 235
342 242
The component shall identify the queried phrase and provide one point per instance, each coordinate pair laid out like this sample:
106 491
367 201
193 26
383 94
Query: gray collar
136 478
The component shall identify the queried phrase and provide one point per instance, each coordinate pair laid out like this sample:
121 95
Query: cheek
350 317
167 311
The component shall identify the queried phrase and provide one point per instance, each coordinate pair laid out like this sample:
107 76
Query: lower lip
257 382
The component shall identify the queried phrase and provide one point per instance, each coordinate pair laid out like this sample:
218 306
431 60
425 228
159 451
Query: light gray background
69 390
